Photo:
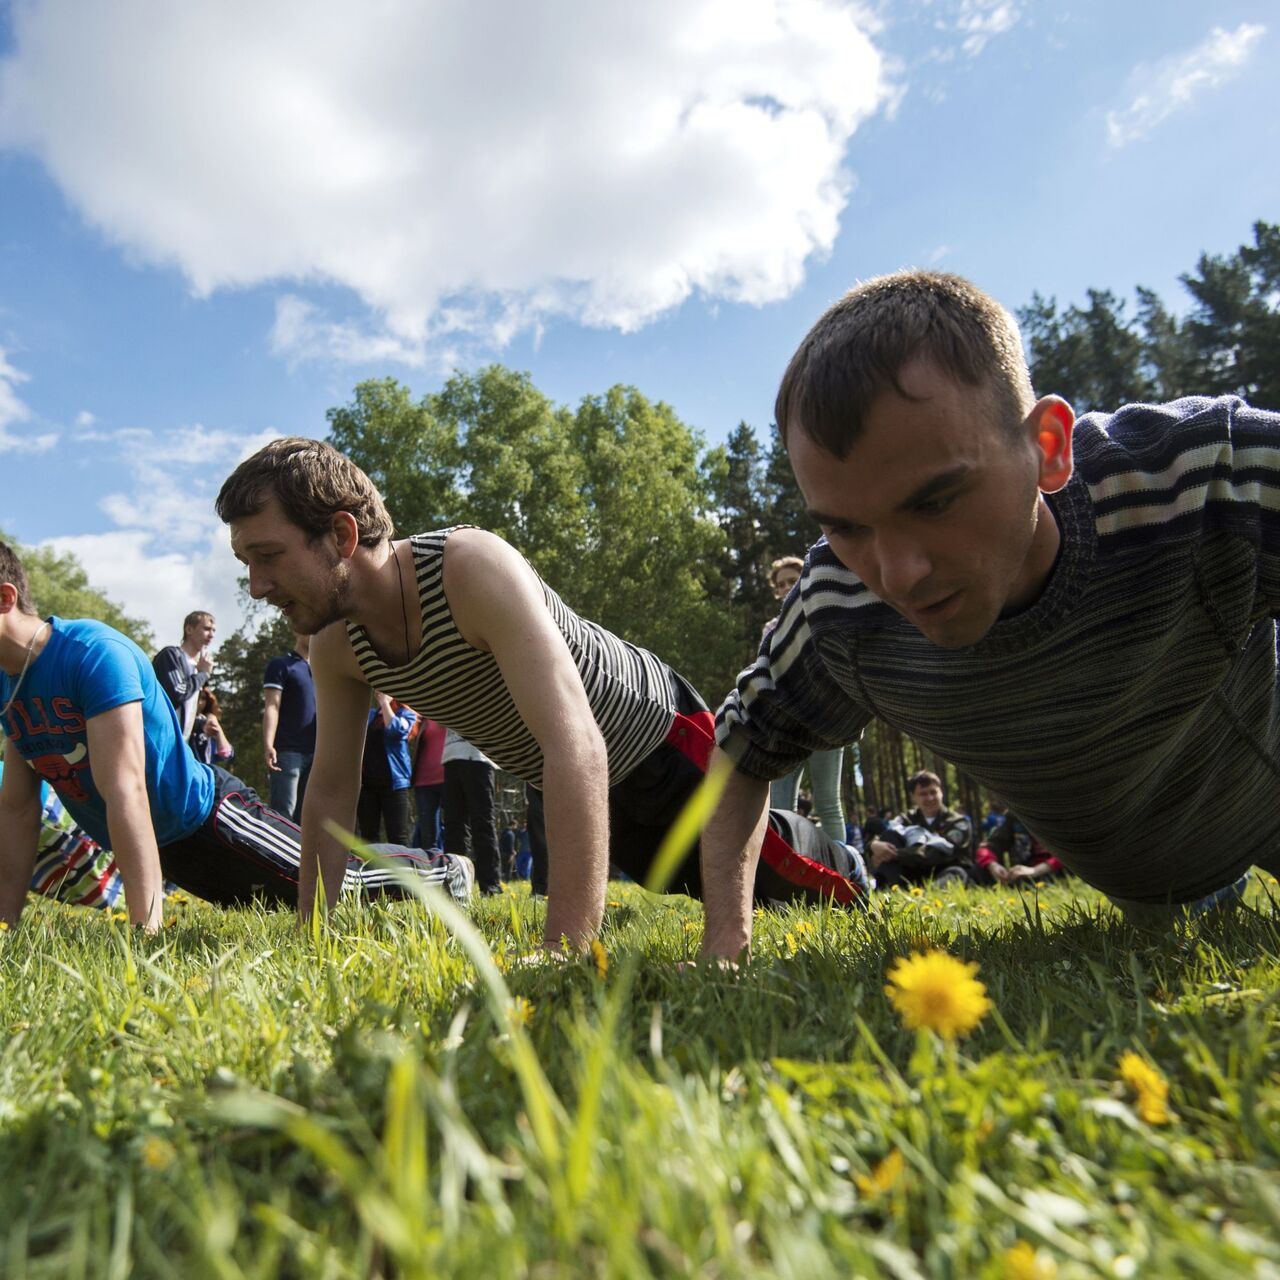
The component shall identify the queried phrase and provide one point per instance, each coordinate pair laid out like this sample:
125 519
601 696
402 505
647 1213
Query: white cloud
168 553
980 20
467 170
13 410
1172 85
160 586
85 419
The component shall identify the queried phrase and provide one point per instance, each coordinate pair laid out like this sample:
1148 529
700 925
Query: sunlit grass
398 1094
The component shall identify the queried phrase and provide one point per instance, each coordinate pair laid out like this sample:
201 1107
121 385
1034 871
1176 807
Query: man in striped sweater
1080 614
457 625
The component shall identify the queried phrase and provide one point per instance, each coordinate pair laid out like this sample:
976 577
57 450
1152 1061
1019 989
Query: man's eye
935 506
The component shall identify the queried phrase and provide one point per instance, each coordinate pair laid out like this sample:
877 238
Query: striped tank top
630 691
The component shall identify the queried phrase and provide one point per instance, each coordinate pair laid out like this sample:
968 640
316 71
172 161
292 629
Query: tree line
643 527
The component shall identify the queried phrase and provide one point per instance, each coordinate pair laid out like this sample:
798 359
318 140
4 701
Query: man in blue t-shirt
289 726
83 711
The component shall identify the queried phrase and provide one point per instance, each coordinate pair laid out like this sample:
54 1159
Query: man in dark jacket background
946 852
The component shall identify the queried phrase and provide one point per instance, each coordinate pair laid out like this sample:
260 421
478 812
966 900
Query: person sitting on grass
83 711
1080 615
456 624
1012 855
943 856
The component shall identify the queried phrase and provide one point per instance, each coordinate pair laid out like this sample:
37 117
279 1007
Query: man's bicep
498 601
271 698
117 748
19 784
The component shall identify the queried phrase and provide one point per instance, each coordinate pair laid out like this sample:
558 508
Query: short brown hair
313 482
784 562
192 618
857 349
12 572
925 778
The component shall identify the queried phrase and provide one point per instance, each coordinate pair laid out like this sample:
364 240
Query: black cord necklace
404 612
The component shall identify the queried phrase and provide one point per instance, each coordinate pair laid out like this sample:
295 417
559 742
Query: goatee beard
334 608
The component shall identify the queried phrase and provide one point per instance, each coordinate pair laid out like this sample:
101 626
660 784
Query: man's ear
346 533
1051 421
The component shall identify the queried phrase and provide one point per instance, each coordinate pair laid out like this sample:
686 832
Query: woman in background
207 740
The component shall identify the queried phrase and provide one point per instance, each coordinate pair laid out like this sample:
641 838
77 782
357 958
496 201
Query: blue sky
211 228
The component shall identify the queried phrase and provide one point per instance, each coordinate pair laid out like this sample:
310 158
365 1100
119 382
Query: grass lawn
235 1098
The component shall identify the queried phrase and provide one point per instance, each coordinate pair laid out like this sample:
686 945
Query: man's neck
374 588
25 636
191 646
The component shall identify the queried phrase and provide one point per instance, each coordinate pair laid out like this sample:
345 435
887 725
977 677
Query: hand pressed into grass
1149 1086
936 991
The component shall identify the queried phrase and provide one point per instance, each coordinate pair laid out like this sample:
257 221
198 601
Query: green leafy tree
788 528
237 680
738 485
1234 324
411 455
1093 356
60 585
1227 343
651 551
520 475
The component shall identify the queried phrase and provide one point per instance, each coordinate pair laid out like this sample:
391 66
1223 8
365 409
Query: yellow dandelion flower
790 939
917 891
1149 1086
1022 1262
600 956
937 991
883 1177
613 902
895 888
157 1153
4 925
521 1011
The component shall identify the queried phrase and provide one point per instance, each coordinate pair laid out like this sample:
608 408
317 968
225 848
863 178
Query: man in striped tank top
457 625
1079 614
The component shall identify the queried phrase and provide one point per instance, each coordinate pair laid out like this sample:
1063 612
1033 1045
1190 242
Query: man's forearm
19 836
730 850
133 844
575 789
322 856
270 719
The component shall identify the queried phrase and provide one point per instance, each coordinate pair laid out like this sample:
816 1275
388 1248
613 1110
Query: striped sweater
630 691
1130 716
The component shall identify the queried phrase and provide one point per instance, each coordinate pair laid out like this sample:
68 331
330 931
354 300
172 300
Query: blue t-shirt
296 728
87 668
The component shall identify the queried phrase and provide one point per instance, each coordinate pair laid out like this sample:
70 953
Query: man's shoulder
1151 447
88 635
1168 472
833 595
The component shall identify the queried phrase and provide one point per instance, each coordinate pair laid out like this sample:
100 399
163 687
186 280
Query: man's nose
258 585
904 564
